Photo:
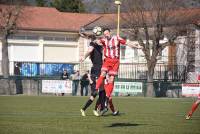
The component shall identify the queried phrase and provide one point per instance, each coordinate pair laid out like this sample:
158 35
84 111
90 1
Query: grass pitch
61 115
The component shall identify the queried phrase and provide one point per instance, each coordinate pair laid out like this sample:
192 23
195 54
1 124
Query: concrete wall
30 87
34 87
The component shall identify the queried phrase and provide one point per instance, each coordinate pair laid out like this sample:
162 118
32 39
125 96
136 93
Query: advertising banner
128 87
56 86
190 90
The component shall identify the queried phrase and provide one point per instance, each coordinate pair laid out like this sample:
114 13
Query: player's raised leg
101 78
112 108
108 89
99 103
193 108
90 100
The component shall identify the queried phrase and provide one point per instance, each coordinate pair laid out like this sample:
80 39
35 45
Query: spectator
85 83
64 76
18 81
75 82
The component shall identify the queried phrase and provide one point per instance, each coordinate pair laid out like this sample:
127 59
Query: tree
9 14
68 5
149 22
192 3
188 55
107 6
41 3
100 6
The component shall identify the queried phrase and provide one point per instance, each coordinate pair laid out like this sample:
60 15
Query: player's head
106 33
92 37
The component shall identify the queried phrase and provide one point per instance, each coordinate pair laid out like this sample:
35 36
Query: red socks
99 82
109 89
194 107
111 105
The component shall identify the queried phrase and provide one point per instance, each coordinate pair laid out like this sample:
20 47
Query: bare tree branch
151 21
9 14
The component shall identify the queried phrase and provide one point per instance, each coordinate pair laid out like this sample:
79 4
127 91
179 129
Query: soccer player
95 53
194 107
111 46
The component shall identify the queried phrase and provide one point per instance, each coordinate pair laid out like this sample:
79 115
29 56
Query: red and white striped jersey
112 47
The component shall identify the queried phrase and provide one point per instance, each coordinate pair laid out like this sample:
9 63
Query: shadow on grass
124 125
107 115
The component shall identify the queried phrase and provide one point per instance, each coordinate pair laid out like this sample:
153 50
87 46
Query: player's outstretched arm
127 42
90 49
89 78
133 45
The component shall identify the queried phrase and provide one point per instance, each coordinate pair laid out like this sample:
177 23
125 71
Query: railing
161 72
129 71
138 71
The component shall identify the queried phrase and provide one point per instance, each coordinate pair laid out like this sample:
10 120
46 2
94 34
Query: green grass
61 115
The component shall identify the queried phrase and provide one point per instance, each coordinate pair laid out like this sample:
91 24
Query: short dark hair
92 37
105 29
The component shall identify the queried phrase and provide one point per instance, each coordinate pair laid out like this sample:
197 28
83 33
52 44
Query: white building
46 35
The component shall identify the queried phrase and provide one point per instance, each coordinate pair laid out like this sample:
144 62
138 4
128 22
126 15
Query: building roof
105 20
50 19
44 18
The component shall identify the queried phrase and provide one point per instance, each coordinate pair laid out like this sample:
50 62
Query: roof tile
45 18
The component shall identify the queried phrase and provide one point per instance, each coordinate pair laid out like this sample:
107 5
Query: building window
23 37
61 38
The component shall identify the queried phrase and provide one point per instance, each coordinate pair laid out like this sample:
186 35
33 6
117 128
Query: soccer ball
97 30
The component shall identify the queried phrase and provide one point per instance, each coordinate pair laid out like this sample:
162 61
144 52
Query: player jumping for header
111 47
